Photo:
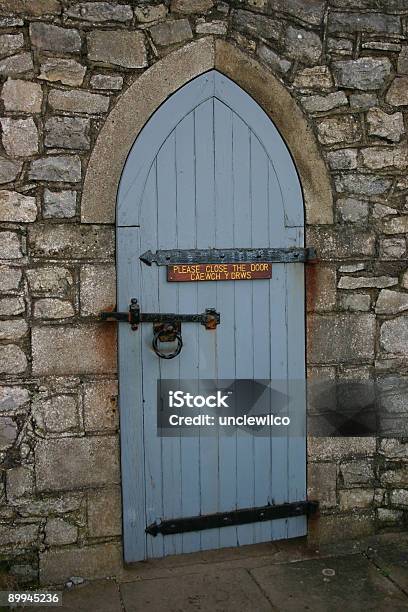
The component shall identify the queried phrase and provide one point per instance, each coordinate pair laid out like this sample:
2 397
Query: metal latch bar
196 256
236 517
210 318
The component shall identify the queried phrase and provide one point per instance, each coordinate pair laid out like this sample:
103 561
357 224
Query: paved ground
370 574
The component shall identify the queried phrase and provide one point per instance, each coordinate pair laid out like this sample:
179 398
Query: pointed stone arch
154 86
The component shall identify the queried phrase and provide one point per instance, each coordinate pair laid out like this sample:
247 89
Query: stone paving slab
349 583
199 562
393 563
97 596
363 545
227 591
213 561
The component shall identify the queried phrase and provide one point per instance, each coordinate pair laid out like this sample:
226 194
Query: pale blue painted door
209 169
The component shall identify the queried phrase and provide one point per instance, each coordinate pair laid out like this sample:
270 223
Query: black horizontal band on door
235 517
190 256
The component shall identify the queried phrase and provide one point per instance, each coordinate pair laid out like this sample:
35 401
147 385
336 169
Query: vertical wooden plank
168 302
279 365
279 352
260 323
243 317
225 305
277 230
131 401
188 358
297 526
206 297
149 302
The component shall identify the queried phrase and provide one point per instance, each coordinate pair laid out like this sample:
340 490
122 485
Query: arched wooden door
209 170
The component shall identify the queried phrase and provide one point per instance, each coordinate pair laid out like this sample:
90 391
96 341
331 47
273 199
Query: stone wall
63 66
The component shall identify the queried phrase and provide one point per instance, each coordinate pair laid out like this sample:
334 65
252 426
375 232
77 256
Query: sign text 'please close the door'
219 271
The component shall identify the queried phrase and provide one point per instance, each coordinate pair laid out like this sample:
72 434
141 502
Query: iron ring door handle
156 339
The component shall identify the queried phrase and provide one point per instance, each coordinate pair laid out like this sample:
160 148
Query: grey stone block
365 282
256 25
12 306
397 94
20 482
33 8
356 473
13 398
378 158
191 6
54 38
18 536
60 350
16 65
356 302
65 71
52 308
59 204
362 184
78 101
171 32
119 48
13 329
10 43
316 104
341 338
101 406
372 23
9 170
12 359
318 77
72 241
352 210
10 278
344 129
273 59
24 96
59 532
58 169
67 133
10 246
366 73
104 512
98 288
106 81
302 45
390 127
20 136
49 280
99 12
16 207
394 336
72 463
342 159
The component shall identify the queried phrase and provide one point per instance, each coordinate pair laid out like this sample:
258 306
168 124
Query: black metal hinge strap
196 256
235 517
